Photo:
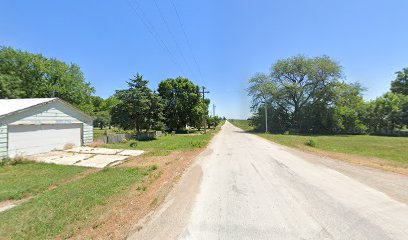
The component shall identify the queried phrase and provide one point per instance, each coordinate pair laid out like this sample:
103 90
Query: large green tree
298 93
139 108
27 75
350 110
102 108
183 103
302 81
388 112
400 84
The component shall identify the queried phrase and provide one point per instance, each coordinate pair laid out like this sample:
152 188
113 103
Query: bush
153 167
310 143
133 144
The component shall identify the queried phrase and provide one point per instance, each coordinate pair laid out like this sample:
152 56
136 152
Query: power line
166 23
141 14
187 39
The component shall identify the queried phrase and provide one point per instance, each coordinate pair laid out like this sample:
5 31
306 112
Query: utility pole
266 118
213 110
205 110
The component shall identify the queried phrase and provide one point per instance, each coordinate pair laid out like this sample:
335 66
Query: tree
302 81
102 119
182 102
139 107
350 109
388 112
261 89
10 86
27 75
155 117
214 121
298 94
400 84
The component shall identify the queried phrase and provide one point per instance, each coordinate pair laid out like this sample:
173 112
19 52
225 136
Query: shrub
310 143
133 144
153 167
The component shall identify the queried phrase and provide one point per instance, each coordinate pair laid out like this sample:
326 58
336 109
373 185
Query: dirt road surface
244 187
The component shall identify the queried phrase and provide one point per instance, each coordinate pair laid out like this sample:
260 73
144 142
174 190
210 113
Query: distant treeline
176 104
309 95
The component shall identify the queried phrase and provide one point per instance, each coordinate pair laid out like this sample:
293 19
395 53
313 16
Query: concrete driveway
87 156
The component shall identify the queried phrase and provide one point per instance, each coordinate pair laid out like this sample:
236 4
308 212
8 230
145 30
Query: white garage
31 126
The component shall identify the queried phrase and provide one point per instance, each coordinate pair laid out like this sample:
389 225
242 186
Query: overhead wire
142 15
166 23
187 39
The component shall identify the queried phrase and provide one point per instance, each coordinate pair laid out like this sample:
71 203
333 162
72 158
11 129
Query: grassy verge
77 204
61 211
243 124
26 179
387 148
166 144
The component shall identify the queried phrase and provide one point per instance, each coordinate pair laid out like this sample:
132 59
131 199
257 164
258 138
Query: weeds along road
244 187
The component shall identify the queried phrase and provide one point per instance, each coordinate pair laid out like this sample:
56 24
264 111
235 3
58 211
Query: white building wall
51 113
3 141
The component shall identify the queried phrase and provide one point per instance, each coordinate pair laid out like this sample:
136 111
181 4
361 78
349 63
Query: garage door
33 139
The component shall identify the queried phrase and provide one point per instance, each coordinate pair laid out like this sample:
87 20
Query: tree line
309 95
28 75
177 103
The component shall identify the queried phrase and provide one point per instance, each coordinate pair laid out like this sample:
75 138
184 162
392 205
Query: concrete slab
76 149
71 159
91 150
87 156
100 161
48 157
132 153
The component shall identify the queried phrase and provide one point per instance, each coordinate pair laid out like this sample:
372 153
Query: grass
388 148
25 179
166 144
243 124
59 212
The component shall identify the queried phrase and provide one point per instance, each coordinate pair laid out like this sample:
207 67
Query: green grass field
166 144
388 148
58 211
27 179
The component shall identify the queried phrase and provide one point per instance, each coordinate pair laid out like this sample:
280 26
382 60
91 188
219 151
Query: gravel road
244 187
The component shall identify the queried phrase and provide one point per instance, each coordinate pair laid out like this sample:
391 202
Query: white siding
51 113
3 141
87 133
33 139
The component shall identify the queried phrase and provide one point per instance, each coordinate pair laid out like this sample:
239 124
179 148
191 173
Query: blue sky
230 40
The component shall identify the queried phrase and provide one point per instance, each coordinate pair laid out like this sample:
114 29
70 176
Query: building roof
12 106
8 106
